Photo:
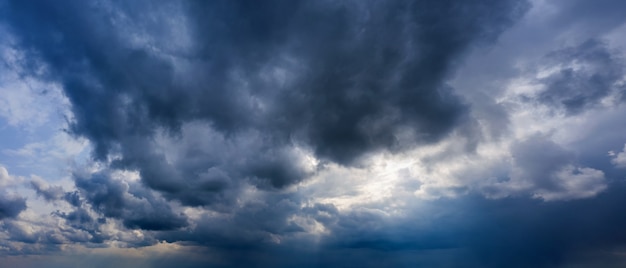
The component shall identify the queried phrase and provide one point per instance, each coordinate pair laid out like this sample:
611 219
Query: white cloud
619 158
7 180
574 183
4 176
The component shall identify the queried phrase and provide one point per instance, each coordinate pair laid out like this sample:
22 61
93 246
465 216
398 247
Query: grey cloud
550 26
20 234
476 232
100 198
522 233
254 84
25 238
207 168
49 193
72 198
259 224
134 205
618 159
539 158
11 206
553 172
588 17
468 232
215 111
590 72
83 227
321 75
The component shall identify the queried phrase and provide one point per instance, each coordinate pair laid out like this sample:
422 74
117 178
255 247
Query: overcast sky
344 133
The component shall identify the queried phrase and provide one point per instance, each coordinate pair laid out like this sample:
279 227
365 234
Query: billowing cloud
333 85
11 204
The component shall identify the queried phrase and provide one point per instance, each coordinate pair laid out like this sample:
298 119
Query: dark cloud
137 207
84 228
511 232
263 223
219 121
341 79
522 233
237 103
11 206
131 203
464 232
216 104
539 159
589 73
19 234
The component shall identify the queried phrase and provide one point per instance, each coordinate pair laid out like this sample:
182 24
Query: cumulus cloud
11 204
5 179
137 207
551 172
618 159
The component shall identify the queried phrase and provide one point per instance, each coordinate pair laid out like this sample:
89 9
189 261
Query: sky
344 133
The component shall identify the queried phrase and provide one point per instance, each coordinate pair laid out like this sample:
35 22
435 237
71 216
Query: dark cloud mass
138 208
11 206
280 133
340 78
590 73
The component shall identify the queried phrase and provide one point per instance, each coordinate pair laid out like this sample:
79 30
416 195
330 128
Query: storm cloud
323 76
280 133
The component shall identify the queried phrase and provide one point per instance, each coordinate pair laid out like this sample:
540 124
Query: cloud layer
315 133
